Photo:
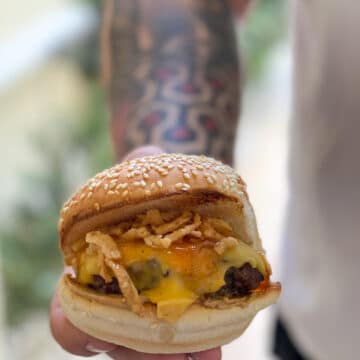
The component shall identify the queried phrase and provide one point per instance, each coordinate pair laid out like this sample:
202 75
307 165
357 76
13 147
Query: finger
72 339
124 353
213 354
143 151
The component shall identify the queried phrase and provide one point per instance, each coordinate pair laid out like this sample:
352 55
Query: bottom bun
199 328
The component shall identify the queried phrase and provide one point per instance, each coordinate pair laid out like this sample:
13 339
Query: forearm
172 75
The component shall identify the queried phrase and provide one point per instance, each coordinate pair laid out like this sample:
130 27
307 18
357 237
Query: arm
172 75
170 67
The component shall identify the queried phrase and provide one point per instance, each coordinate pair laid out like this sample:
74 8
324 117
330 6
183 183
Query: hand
76 342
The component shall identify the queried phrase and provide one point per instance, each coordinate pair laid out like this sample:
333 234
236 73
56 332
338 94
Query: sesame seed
210 180
182 186
125 193
179 185
186 175
110 192
146 175
170 166
147 192
106 186
82 196
152 186
90 194
137 183
97 206
159 183
142 183
122 186
164 173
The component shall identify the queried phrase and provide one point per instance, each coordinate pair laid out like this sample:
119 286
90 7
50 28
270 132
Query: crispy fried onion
105 242
162 229
186 230
104 272
173 225
220 226
135 234
103 246
173 231
127 287
155 229
225 244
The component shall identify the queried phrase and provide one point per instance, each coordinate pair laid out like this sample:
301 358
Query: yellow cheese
171 310
242 254
185 259
170 288
88 266
172 298
193 272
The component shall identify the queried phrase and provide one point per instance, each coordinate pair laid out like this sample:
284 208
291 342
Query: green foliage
263 29
32 261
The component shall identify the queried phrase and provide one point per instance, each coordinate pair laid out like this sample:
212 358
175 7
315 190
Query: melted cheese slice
88 266
191 272
172 298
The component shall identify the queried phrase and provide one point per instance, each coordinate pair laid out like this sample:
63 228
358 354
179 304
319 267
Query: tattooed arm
172 75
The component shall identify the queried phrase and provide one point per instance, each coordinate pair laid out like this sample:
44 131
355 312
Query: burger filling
169 259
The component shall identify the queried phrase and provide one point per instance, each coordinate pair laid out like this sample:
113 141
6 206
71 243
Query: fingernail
95 348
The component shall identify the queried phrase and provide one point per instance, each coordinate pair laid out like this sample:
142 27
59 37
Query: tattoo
172 74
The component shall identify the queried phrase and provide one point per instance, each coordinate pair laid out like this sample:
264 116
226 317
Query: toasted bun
164 182
198 329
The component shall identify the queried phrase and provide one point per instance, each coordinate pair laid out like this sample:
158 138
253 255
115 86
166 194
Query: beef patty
238 282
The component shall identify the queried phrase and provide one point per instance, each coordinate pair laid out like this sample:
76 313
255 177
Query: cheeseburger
165 254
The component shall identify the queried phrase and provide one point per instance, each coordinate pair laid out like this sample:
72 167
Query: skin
172 75
208 61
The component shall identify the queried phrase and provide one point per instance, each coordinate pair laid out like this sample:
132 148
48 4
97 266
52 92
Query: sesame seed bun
164 182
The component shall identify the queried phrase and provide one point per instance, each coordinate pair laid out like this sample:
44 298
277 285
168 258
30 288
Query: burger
165 255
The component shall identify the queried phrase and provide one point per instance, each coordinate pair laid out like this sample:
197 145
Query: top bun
183 180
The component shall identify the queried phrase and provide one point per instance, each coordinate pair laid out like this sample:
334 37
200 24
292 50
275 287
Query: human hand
76 342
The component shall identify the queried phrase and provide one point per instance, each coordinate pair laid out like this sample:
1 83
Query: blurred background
54 135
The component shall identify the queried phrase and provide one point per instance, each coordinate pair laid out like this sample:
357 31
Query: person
174 80
171 70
